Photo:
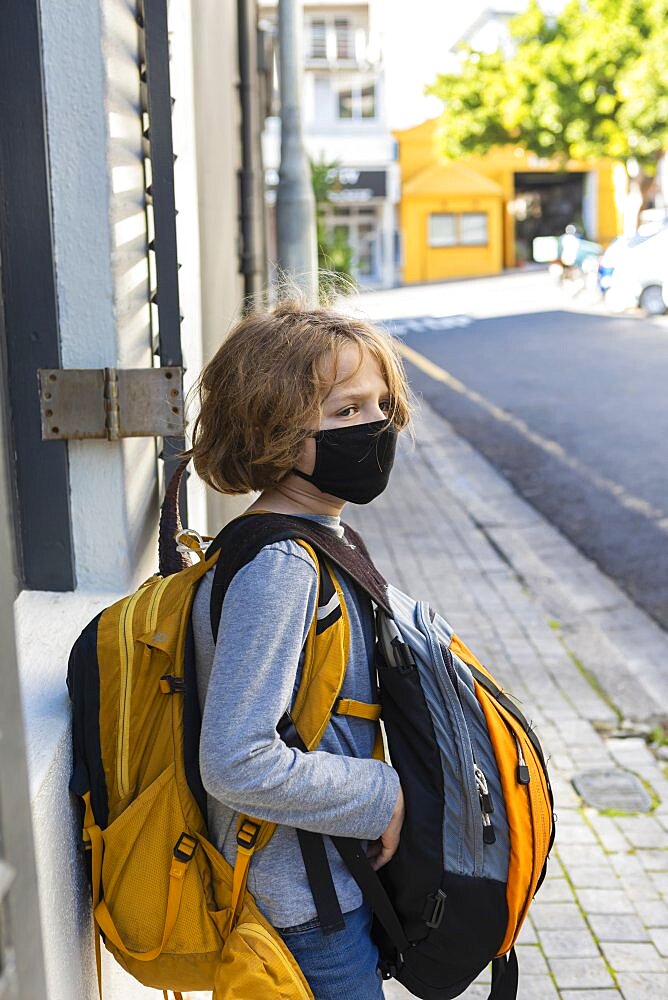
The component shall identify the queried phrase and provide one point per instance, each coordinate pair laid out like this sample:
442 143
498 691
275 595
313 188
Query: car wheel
651 300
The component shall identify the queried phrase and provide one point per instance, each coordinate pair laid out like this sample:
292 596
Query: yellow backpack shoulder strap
325 656
325 659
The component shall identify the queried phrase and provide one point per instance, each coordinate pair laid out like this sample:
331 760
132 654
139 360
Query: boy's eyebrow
356 395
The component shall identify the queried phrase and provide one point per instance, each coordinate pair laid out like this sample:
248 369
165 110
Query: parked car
616 251
638 275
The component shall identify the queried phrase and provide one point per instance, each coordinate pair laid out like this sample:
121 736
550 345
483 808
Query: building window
368 101
346 103
361 228
442 230
356 101
473 229
335 39
318 48
345 48
447 229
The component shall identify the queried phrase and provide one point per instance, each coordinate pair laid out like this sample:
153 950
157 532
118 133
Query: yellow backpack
479 822
170 908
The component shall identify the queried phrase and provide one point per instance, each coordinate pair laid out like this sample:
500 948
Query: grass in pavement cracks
586 673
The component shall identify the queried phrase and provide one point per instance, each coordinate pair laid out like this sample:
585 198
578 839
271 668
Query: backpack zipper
486 805
443 664
126 646
484 796
523 772
523 775
258 931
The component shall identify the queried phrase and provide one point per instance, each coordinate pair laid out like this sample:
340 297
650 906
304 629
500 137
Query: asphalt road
569 403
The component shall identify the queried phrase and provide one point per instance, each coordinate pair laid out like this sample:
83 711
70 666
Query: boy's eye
385 405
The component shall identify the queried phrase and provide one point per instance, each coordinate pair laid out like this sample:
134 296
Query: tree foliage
590 82
335 255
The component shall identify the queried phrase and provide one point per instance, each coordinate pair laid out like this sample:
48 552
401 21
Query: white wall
352 149
93 147
99 233
217 124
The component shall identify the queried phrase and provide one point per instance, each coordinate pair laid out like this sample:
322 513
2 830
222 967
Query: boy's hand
381 850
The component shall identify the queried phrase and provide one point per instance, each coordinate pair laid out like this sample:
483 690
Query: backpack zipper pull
488 835
486 803
523 776
486 806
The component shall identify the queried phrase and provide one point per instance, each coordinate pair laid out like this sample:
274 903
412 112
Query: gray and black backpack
479 811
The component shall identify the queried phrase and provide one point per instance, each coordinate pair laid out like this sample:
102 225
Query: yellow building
481 214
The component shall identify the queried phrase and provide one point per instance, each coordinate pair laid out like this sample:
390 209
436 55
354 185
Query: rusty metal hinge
111 403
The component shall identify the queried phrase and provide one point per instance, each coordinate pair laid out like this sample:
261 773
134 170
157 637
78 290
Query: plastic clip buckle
436 918
185 847
403 656
172 685
248 834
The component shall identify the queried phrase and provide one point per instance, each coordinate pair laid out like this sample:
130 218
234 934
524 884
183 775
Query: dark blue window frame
29 335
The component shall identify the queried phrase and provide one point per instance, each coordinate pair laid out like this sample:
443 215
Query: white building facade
111 171
345 123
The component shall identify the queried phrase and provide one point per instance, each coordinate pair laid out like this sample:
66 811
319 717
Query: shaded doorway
544 204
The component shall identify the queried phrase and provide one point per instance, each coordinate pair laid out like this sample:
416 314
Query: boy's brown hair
261 393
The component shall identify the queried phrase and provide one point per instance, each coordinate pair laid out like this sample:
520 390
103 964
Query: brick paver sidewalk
584 661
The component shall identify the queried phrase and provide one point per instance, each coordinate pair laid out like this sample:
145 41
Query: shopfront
356 213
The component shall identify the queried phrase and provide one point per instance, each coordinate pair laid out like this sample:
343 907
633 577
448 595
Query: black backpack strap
505 977
321 883
243 538
360 868
319 873
322 887
312 846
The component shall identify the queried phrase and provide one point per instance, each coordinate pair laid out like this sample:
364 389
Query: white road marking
423 324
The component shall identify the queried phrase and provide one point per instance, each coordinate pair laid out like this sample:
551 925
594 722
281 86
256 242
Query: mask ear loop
306 475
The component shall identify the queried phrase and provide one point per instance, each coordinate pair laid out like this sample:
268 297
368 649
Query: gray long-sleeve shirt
245 686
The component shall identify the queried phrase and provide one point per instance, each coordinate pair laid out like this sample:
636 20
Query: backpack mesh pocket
138 853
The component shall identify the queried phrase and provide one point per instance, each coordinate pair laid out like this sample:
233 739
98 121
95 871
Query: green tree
335 255
591 82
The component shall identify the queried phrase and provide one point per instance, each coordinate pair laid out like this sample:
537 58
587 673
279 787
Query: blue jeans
338 966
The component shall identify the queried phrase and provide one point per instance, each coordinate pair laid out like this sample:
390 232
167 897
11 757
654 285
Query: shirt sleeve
244 763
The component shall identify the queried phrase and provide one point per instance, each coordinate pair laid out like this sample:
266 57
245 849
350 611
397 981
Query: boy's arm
244 763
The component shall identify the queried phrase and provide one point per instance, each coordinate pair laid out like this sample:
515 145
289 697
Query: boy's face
358 398
361 398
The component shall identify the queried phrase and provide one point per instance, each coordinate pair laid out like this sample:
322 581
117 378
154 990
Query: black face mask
353 463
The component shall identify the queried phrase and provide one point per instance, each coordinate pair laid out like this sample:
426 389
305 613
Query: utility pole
295 202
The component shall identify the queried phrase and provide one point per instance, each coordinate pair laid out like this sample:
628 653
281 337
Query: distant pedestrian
570 246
